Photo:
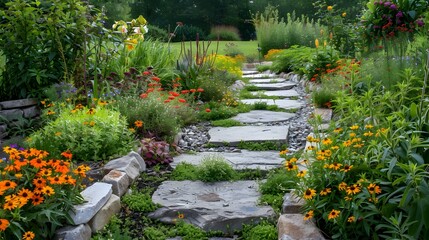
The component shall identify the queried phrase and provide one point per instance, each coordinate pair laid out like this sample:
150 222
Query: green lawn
248 48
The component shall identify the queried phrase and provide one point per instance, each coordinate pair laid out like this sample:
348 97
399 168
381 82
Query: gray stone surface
127 164
247 72
12 114
95 197
294 227
221 206
119 180
139 159
112 207
281 103
238 85
261 116
234 135
31 112
267 80
260 75
277 93
274 86
292 203
264 160
324 113
79 232
18 103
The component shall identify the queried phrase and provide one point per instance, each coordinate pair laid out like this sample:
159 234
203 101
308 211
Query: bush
155 152
188 33
263 230
323 97
93 134
157 33
33 202
215 168
185 171
232 50
139 201
292 59
224 33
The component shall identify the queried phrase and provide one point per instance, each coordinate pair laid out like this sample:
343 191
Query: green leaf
413 110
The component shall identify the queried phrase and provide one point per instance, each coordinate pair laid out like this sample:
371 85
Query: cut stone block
18 103
95 197
31 112
267 80
112 207
278 93
260 75
264 160
294 227
247 72
234 135
292 203
12 114
119 180
219 206
127 164
80 232
281 103
261 116
324 113
274 86
139 159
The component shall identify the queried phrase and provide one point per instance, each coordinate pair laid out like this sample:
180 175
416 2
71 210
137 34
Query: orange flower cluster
28 180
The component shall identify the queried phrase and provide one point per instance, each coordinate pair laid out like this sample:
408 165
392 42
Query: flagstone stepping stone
260 75
267 80
281 103
248 72
278 93
274 86
264 160
262 116
234 135
219 206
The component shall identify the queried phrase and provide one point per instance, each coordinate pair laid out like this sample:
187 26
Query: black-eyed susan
347 143
335 147
56 180
335 166
7 184
354 127
11 204
309 215
37 199
4 223
181 216
333 214
368 134
28 235
38 163
91 111
301 173
353 189
67 154
338 130
342 186
138 123
368 126
47 190
309 193
351 219
44 172
50 112
62 167
311 148
352 134
326 141
348 198
347 168
25 193
325 191
373 188
290 166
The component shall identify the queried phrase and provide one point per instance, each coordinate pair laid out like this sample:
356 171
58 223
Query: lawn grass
247 47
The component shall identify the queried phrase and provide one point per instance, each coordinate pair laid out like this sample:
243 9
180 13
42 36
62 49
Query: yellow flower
292 160
326 141
368 134
290 166
354 127
342 186
91 111
344 14
309 215
58 134
335 166
138 123
347 198
28 236
92 123
347 143
301 173
330 8
351 219
353 189
373 188
347 168
368 126
335 147
325 191
309 193
131 130
284 152
338 130
333 214
310 148
316 42
352 135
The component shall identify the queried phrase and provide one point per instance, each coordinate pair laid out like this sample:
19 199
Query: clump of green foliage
139 201
263 230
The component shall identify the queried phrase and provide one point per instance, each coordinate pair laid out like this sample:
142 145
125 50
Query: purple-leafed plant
155 152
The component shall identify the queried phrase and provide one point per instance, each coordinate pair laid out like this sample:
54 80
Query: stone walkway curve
226 206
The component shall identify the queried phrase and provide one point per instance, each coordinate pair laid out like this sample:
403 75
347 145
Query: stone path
226 206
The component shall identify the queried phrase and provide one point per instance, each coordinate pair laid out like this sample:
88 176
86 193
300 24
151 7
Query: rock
119 180
112 207
12 114
80 232
238 85
274 86
278 93
247 72
234 135
95 197
281 103
18 103
3 128
293 226
267 80
262 116
31 112
219 206
139 159
292 203
127 164
324 113
260 75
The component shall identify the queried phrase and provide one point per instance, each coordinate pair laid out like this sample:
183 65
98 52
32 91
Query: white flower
124 29
137 30
146 29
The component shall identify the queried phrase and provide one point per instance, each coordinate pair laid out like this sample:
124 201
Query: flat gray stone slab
234 135
260 75
262 116
247 72
324 113
267 80
220 206
278 93
274 86
264 160
281 103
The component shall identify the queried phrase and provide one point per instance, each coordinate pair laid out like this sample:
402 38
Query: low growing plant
263 230
226 123
261 146
215 168
155 152
139 201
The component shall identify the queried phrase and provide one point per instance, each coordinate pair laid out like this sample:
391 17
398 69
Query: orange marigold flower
309 215
47 190
28 235
309 193
4 223
373 188
67 154
138 123
333 214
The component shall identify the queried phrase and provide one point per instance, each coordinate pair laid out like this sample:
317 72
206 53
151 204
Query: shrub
263 230
323 97
139 201
214 89
92 134
37 193
292 59
224 33
215 168
229 64
157 33
185 171
232 50
188 33
155 152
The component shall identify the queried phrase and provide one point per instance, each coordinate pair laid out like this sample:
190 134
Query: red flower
182 100
156 79
193 90
200 90
146 73
143 95
208 110
185 91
